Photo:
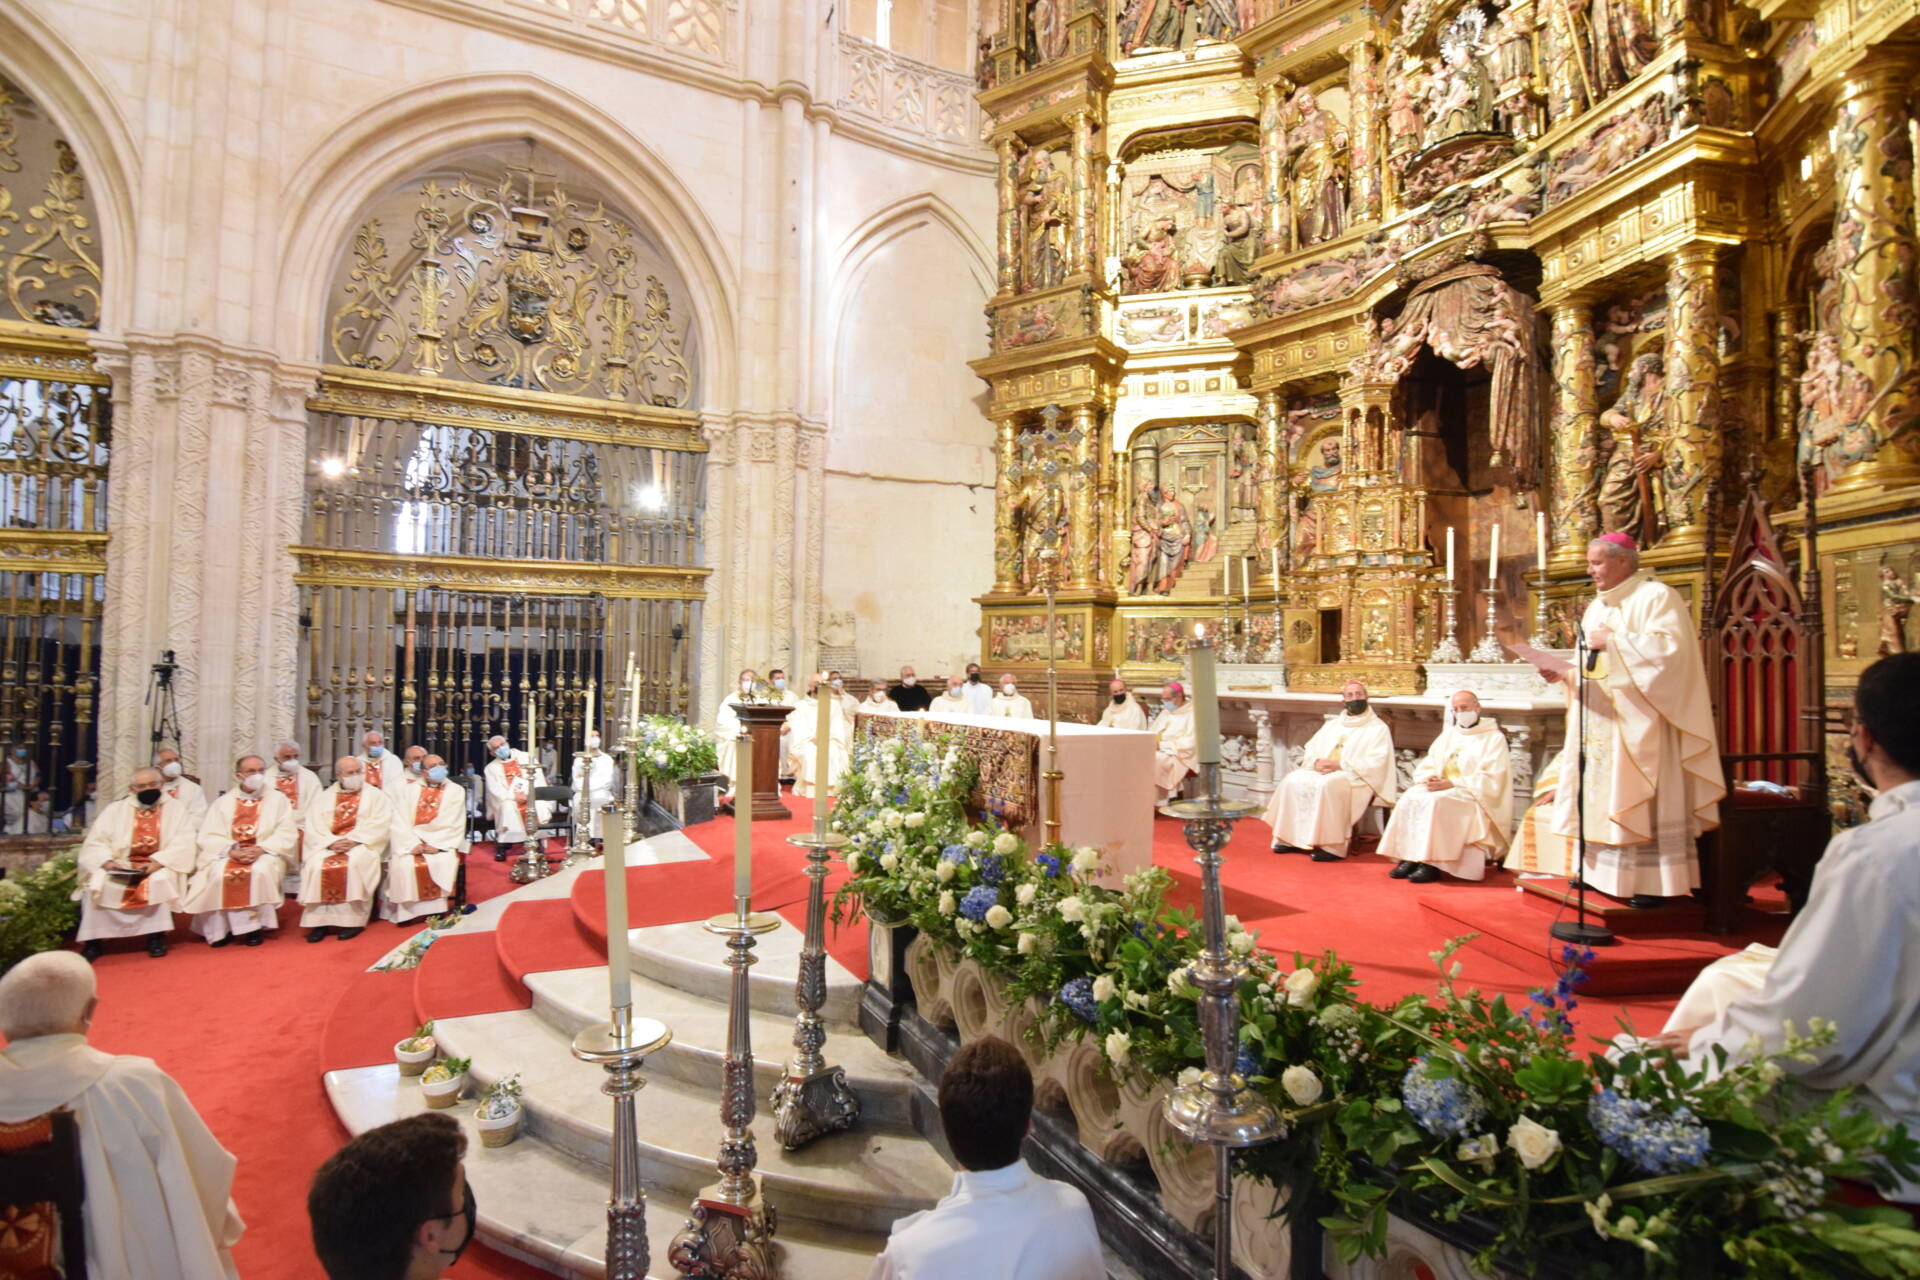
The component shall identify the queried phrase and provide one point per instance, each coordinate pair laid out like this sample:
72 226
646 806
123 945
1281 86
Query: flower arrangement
446 1069
1446 1104
422 1038
500 1100
668 750
38 909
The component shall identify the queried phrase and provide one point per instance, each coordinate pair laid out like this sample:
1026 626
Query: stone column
1876 269
1083 254
1574 515
1009 225
1691 449
1006 549
1277 234
1363 130
1084 537
1273 494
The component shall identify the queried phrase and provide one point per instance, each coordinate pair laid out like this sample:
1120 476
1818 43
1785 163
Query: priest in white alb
178 785
1653 779
1346 766
348 828
511 779
954 701
806 750
1009 701
1458 812
593 770
1175 749
246 844
133 866
1123 710
429 837
379 767
726 726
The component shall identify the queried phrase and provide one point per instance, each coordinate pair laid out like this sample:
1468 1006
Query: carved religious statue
1634 427
1044 525
1149 25
1240 245
1623 42
1317 145
1460 92
1045 211
1833 404
1047 27
1896 605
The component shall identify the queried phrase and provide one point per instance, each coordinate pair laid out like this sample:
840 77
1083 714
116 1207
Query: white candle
743 820
1493 558
1276 568
614 842
587 724
533 727
1246 579
822 742
1540 540
1206 703
1449 555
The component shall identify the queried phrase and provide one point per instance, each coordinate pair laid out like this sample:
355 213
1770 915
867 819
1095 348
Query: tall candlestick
1206 702
613 832
1246 579
1540 539
822 744
533 728
1449 554
586 725
1493 558
743 821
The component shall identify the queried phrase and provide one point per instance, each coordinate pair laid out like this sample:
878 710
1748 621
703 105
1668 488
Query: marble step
570 999
865 1178
686 956
539 1205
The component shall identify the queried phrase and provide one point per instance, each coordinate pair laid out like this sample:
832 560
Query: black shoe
255 938
1321 855
223 942
90 950
499 854
346 934
317 935
1578 885
1645 901
1425 873
1402 870
156 945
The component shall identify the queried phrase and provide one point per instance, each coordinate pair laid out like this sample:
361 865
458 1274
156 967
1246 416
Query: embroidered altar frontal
1008 759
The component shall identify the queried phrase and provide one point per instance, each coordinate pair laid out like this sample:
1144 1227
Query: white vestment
1009 1223
726 736
1017 705
110 908
1175 751
882 704
19 779
252 901
510 803
848 704
1458 827
946 706
1653 780
1537 849
806 721
1128 714
338 889
1314 810
979 697
158 1184
1852 956
603 782
386 773
417 884
184 790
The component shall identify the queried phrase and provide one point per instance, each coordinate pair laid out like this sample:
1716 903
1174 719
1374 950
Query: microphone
1593 655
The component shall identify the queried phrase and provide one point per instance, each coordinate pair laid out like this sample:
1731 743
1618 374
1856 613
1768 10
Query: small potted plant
416 1051
498 1114
444 1080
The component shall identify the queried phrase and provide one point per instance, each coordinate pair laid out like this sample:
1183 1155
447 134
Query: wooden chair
1766 672
43 1199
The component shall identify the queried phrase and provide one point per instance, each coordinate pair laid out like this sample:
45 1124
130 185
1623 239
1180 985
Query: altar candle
533 726
1206 703
587 724
1276 570
613 826
1540 540
1449 555
743 821
822 742
1246 579
1493 559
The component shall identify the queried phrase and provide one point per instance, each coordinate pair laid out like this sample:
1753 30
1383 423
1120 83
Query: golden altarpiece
1288 292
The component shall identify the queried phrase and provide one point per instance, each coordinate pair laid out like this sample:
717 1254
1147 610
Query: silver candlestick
632 806
1540 640
1277 651
1219 1109
582 847
813 1099
1448 650
621 1046
1488 648
730 1230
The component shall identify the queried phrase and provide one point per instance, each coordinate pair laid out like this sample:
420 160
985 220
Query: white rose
977 839
1071 908
1302 1085
1086 859
1177 983
876 827
998 917
1190 1075
853 862
1233 924
1005 842
943 871
889 861
1119 1045
916 820
1300 985
1025 894
947 904
895 819
1026 944
1240 943
1102 989
1534 1143
1480 1150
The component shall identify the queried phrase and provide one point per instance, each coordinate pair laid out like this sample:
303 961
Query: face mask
1356 705
953 691
1466 719
1859 767
909 681
504 753
376 752
351 782
1007 689
781 683
170 770
1119 698
746 686
973 677
469 1210
417 766
437 774
254 782
838 685
20 753
148 797
593 742
290 766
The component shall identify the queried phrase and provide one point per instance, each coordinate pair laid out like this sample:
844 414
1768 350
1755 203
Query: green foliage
421 1038
500 1099
38 910
669 750
446 1069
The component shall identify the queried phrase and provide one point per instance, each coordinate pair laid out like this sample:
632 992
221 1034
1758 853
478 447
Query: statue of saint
1623 42
1318 147
1045 209
1155 264
1240 245
1175 542
1635 423
1324 475
1896 603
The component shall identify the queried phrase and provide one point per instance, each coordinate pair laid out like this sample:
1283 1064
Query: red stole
333 869
373 773
425 811
288 785
30 1231
146 843
236 883
510 770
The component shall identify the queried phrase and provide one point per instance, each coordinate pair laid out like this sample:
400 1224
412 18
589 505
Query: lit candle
1206 704
1449 555
1493 559
1540 540
743 821
822 744
613 831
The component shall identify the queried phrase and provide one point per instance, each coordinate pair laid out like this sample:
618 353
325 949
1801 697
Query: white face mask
290 766
351 782
1466 719
838 685
254 782
170 770
953 691
418 766
746 686
1007 688
909 681
593 742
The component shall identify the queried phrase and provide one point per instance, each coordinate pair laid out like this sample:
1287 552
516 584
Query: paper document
1540 658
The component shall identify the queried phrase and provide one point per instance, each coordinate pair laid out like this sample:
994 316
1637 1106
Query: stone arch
415 128
46 65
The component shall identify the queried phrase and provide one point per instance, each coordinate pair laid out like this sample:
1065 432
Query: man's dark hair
372 1195
1888 704
986 1100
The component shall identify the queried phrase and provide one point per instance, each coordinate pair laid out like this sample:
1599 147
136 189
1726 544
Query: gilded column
1085 242
1009 246
1083 529
1006 538
1363 132
1691 442
1273 476
1788 354
1278 232
1574 512
1876 253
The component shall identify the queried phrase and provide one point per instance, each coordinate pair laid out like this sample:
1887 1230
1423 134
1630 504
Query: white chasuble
1653 779
1125 714
185 791
1456 827
1314 810
423 854
337 887
726 737
1175 751
510 803
156 841
1016 706
805 751
602 782
227 896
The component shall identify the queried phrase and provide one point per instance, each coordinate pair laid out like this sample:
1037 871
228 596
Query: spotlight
650 497
332 468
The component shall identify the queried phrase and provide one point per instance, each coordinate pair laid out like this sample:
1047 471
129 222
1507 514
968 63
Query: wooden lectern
763 722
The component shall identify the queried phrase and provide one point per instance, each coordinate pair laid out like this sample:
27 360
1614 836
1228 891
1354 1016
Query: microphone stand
1579 931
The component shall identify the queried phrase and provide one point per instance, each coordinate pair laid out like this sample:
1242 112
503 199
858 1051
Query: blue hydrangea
1050 863
1248 1061
993 868
1442 1106
1077 995
979 900
1643 1135
956 854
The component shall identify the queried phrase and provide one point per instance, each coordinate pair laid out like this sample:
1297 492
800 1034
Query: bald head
347 767
1466 708
1353 689
144 779
48 994
1609 564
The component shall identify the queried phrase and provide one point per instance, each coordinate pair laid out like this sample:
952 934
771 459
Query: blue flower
956 854
1077 995
993 868
1442 1106
1051 863
1247 1063
1653 1140
979 900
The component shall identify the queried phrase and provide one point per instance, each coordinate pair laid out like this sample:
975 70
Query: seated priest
378 767
593 769
1653 780
428 839
878 699
726 725
179 786
1010 701
806 751
511 780
977 692
954 701
415 761
1852 955
133 865
246 844
838 683
1459 810
1347 766
1175 749
1123 710
348 827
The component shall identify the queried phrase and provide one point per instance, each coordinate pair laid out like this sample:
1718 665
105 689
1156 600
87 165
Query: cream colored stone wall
827 205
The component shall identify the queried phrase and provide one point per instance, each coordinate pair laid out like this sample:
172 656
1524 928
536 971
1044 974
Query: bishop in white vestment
806 760
1653 778
1458 812
594 769
511 779
1175 749
1011 702
347 832
429 838
1347 766
179 786
726 727
133 866
1123 710
246 842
